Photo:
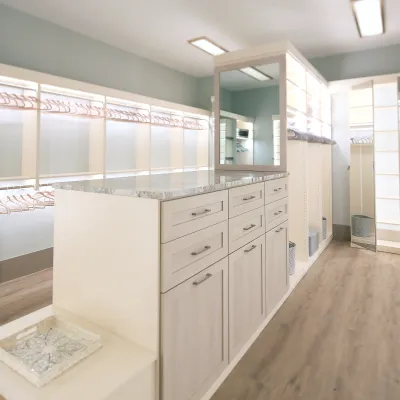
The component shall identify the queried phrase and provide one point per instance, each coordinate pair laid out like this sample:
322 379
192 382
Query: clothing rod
15 187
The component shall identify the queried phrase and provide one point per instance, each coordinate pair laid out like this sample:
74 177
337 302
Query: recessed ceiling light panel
369 17
208 46
256 74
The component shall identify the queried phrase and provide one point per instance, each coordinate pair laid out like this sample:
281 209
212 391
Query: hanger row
25 199
77 108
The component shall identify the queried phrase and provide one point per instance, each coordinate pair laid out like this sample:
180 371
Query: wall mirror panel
362 182
249 103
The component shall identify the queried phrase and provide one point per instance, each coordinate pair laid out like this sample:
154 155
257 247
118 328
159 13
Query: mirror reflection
249 116
362 181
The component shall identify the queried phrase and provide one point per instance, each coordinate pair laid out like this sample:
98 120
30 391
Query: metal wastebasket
313 241
362 226
324 228
292 258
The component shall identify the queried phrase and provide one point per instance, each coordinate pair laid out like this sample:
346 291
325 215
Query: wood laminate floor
337 337
25 295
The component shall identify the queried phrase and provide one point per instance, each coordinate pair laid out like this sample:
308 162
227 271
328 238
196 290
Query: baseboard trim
27 264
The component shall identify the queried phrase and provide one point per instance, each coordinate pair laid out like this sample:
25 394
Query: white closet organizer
276 124
309 164
52 128
387 169
305 107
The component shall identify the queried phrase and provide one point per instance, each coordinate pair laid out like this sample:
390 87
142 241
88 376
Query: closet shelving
276 126
18 122
54 129
387 163
309 164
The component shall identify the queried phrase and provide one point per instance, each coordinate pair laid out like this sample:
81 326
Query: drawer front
185 257
184 216
276 190
245 198
276 213
245 228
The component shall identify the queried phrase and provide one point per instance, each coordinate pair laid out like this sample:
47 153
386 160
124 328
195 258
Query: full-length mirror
362 182
249 103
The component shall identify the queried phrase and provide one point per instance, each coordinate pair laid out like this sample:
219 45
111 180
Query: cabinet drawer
276 213
246 293
194 334
276 190
245 228
183 216
185 257
245 198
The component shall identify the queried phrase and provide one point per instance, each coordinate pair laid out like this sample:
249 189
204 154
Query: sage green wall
32 43
260 104
380 61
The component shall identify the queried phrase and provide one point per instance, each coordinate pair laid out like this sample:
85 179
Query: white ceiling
159 29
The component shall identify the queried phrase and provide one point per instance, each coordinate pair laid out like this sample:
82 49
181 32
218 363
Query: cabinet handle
248 198
277 190
249 227
279 230
250 249
197 283
196 253
201 212
277 213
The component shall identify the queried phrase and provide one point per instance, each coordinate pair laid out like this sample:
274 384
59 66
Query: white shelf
388 246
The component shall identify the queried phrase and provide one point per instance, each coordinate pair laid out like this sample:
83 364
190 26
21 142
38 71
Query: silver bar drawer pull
279 230
277 213
248 198
249 227
207 210
197 283
277 190
250 249
196 253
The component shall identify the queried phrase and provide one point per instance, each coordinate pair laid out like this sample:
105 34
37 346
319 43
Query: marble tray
43 351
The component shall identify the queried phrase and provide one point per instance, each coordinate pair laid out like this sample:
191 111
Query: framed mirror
249 105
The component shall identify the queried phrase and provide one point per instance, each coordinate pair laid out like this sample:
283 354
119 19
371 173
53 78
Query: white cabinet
194 333
246 293
276 257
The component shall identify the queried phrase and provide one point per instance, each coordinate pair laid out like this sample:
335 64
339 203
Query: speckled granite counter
171 186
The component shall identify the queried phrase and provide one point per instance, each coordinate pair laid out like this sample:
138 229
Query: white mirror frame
281 59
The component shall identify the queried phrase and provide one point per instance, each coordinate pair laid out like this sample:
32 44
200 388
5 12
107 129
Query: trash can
362 226
313 241
292 258
324 228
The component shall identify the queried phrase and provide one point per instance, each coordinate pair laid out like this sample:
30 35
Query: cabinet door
276 257
246 293
194 330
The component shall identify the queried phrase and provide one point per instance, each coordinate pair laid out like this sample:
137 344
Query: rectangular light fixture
256 74
214 49
369 17
208 46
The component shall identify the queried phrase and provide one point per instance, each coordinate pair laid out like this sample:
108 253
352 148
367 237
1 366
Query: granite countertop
171 186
